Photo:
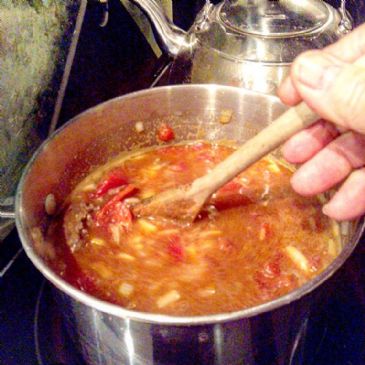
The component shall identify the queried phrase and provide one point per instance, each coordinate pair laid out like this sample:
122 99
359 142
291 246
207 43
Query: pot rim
146 317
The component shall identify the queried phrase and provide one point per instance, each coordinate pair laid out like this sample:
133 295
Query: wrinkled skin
332 82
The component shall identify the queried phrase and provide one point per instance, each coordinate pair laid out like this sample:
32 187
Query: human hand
332 82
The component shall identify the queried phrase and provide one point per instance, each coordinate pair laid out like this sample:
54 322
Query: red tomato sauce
255 240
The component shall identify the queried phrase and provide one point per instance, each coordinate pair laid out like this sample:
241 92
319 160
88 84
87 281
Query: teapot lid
268 31
274 18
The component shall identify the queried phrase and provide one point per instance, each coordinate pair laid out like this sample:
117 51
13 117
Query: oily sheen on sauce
255 240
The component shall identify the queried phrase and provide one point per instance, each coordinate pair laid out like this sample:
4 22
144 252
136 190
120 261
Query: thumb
334 89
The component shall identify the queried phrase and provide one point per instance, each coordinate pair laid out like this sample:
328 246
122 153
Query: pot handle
7 209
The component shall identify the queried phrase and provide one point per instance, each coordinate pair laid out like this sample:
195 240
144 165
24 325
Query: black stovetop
31 329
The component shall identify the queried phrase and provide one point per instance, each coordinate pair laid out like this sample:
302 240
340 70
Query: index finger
348 49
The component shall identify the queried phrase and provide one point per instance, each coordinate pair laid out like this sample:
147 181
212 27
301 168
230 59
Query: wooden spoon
184 202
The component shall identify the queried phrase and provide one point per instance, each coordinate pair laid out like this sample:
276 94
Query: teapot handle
345 25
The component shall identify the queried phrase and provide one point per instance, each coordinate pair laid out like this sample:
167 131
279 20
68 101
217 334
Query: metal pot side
108 334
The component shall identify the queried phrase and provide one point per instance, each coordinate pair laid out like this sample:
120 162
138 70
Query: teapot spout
171 38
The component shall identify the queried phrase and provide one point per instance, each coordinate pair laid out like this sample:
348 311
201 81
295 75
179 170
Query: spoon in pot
185 202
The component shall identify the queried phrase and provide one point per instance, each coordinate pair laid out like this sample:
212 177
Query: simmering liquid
254 241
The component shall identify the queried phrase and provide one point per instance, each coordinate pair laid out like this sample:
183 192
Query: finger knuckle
302 58
349 97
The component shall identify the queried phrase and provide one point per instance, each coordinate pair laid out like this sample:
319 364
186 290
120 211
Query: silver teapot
246 43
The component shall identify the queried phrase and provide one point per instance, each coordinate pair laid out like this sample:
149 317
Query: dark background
111 61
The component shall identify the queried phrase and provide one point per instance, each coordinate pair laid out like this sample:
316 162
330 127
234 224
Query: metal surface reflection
250 44
106 334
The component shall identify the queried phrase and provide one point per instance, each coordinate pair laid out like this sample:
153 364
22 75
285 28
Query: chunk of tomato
114 179
165 133
115 210
230 195
273 267
175 248
232 186
118 214
86 283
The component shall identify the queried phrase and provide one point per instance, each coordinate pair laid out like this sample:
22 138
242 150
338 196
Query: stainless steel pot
108 334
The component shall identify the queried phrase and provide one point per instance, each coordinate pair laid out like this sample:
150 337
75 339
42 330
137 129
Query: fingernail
325 209
317 73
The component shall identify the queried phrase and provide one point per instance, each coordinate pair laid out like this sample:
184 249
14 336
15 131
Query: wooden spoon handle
287 124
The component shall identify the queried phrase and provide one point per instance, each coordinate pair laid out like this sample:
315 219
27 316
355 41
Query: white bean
169 298
50 204
97 241
139 126
298 258
126 289
126 257
115 233
225 116
207 292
